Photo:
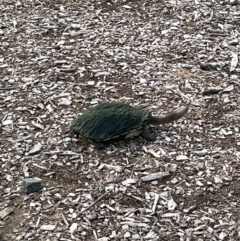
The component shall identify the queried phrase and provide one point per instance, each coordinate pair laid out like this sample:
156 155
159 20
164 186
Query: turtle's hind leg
146 134
99 144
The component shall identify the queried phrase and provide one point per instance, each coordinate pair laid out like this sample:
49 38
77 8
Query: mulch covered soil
58 58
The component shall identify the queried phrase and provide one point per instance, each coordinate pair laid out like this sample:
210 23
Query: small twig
95 202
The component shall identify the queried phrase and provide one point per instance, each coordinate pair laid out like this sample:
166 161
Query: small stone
31 185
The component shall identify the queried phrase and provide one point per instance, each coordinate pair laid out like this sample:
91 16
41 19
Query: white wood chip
135 224
104 73
91 83
129 182
37 125
126 6
181 158
199 183
150 235
73 228
65 101
169 215
234 62
171 205
7 122
156 198
155 176
5 212
111 167
103 239
202 152
152 152
222 235
47 227
218 179
127 235
228 89
36 149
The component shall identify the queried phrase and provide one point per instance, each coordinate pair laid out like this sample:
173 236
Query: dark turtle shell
110 120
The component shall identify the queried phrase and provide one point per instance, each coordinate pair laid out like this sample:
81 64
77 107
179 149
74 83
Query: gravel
58 58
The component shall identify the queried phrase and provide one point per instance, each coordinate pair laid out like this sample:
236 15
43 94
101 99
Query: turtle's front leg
146 135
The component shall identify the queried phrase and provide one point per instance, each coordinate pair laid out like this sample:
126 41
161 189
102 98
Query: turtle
116 120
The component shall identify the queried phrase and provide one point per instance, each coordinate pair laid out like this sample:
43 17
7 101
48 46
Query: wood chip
155 176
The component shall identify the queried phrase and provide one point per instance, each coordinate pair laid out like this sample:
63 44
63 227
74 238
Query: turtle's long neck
175 115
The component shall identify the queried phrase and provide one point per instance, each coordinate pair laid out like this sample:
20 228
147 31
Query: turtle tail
175 115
